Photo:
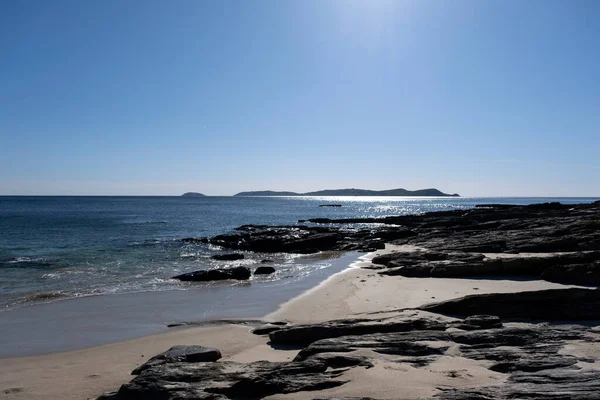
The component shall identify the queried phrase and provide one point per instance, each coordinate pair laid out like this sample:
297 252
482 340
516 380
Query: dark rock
376 245
312 243
306 334
342 361
549 305
237 273
475 322
343 398
266 329
530 355
330 205
228 257
396 343
188 354
264 271
576 274
551 384
266 261
227 380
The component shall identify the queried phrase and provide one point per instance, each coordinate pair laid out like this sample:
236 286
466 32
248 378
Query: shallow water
64 247
95 320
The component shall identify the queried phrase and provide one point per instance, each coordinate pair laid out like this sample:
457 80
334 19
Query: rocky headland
474 334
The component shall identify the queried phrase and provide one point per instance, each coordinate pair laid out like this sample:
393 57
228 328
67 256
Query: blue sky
483 98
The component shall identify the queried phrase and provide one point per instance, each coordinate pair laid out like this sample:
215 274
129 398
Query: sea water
83 271
60 247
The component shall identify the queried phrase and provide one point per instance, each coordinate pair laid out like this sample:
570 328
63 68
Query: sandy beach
354 292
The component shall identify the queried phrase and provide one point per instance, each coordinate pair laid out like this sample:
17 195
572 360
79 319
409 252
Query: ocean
60 247
64 260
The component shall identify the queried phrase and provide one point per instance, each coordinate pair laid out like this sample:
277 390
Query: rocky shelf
527 338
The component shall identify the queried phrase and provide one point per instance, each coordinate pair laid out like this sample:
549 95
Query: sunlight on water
67 247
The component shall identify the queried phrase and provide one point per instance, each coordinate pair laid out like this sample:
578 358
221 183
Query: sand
87 373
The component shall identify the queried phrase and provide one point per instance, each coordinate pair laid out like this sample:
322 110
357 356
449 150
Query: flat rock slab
226 380
306 334
548 305
531 356
188 354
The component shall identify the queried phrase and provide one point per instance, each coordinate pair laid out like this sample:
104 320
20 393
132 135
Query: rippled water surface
58 247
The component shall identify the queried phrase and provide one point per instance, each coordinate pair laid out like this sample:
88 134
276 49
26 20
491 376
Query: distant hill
267 193
354 192
192 194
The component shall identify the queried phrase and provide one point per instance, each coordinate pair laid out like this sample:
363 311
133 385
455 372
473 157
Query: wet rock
237 273
312 243
264 271
188 354
228 257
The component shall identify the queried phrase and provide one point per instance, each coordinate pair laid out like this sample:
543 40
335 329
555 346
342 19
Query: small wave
44 296
26 261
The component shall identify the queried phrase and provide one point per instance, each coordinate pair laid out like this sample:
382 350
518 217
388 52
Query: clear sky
483 98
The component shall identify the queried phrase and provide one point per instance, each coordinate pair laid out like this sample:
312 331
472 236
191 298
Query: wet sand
85 374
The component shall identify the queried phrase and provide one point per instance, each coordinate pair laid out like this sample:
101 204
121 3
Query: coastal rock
189 354
576 274
264 270
312 243
266 329
551 384
237 273
306 334
228 257
475 322
408 344
548 305
581 268
532 357
227 380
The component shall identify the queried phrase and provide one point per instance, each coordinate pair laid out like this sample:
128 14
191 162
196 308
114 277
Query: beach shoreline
352 292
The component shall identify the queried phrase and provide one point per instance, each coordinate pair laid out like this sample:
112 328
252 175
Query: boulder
237 273
264 270
228 257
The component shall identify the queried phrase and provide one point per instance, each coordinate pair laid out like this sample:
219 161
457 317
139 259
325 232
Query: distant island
353 192
192 194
